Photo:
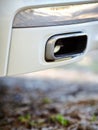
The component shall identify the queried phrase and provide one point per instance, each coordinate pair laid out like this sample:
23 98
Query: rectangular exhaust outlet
65 46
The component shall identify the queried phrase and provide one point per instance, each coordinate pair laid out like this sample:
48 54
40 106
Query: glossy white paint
27 52
14 62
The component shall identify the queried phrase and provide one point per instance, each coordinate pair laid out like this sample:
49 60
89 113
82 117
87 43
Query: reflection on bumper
52 16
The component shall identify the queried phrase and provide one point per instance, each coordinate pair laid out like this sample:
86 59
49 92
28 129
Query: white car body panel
14 59
32 57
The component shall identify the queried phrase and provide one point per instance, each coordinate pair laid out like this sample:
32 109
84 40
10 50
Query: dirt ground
57 99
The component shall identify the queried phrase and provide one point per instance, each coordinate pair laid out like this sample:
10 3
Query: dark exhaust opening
70 46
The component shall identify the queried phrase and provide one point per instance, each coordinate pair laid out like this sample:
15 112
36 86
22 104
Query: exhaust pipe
65 46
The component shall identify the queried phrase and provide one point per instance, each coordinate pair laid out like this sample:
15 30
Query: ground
57 99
